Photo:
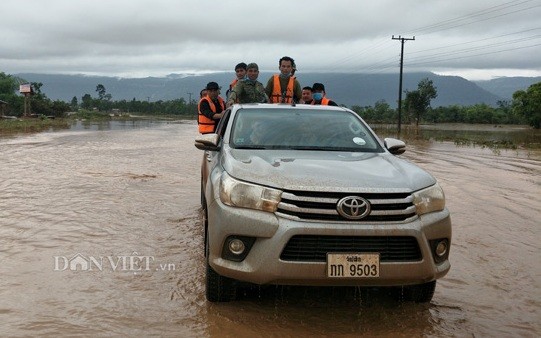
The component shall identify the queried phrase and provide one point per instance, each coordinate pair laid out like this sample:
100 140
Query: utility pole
400 85
190 94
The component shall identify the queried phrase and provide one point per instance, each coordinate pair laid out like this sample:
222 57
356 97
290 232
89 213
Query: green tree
380 113
528 104
74 103
417 102
36 89
60 108
100 89
480 113
104 99
87 102
8 85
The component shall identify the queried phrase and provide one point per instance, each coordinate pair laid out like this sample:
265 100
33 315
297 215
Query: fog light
236 246
441 248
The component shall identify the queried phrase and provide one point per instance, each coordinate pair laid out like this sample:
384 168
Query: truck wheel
421 293
218 288
205 221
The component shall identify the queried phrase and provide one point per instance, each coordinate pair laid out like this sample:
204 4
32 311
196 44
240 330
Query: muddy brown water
125 202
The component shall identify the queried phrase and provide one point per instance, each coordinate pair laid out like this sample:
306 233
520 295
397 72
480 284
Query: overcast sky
476 39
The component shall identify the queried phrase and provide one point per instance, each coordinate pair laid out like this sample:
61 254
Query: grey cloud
162 37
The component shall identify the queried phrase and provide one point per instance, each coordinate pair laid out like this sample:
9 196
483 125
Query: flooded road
100 235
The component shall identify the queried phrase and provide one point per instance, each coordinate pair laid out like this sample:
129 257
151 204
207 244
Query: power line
473 49
440 25
414 63
475 41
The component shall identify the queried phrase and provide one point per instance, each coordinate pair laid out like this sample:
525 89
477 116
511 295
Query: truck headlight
236 193
429 199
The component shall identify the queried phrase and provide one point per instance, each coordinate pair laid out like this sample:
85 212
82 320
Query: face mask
317 96
285 76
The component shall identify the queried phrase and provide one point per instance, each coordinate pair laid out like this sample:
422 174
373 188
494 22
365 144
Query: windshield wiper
308 148
250 147
327 148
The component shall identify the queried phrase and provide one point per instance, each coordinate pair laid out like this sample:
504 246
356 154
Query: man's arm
205 110
234 94
297 92
260 94
270 86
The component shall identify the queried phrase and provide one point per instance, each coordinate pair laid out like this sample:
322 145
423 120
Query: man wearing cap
284 87
318 94
240 72
248 90
210 109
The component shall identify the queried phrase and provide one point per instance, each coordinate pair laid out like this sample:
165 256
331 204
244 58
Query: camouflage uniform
248 91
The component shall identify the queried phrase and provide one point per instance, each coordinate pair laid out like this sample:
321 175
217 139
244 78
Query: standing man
248 90
240 73
210 109
284 87
318 93
307 95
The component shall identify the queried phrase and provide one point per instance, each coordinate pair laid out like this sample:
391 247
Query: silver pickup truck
309 195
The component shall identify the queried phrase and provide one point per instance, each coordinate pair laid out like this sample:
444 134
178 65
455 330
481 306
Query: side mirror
394 146
208 142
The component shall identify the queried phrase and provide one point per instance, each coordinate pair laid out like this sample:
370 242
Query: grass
39 124
32 125
483 136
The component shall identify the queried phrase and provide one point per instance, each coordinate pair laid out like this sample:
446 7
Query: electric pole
190 99
400 85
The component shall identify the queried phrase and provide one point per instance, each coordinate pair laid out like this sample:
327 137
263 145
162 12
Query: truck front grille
322 206
314 248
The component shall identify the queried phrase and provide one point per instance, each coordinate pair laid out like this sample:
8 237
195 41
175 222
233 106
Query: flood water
126 201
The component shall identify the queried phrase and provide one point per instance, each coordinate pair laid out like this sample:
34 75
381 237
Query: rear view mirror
394 146
208 142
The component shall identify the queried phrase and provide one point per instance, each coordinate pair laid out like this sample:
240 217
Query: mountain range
344 88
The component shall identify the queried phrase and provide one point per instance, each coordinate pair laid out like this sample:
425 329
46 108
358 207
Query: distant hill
506 86
344 88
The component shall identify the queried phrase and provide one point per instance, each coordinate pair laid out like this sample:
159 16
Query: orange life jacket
324 101
233 83
276 96
207 125
231 86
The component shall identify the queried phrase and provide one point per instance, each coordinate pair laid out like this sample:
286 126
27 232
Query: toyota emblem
353 207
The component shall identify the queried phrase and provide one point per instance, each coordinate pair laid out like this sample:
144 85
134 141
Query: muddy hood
325 171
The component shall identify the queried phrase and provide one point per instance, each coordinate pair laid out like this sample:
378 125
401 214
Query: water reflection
493 137
115 124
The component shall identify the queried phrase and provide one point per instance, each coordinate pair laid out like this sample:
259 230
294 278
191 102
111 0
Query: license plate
352 265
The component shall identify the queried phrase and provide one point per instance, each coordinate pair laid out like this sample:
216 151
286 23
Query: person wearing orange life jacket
284 87
240 73
318 95
203 93
210 109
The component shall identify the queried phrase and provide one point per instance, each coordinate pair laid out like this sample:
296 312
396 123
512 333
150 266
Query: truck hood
325 170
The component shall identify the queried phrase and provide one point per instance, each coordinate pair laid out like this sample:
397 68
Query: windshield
301 129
